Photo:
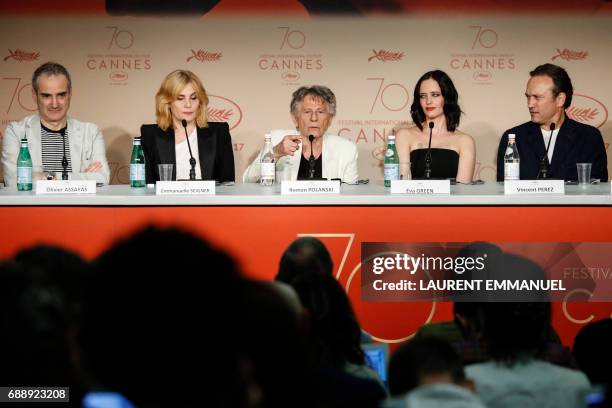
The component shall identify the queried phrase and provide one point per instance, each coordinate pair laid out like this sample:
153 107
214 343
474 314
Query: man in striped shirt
55 139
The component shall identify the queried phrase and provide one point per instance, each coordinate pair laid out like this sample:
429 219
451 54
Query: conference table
255 224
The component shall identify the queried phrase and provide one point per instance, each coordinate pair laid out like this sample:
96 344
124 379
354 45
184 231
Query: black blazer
576 143
214 147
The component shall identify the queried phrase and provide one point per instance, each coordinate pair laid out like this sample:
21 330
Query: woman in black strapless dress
453 153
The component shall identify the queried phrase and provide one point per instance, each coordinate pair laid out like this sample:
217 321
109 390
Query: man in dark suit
549 94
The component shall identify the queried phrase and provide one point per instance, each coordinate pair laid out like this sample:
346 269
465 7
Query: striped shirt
52 145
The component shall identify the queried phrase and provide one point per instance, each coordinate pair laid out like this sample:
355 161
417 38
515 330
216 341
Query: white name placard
310 187
514 187
66 187
186 187
420 187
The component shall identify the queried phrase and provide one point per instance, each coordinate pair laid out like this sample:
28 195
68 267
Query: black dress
444 163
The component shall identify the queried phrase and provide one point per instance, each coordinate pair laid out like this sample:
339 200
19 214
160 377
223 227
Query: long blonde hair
168 92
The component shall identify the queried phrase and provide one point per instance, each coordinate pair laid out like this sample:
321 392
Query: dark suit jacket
214 147
576 143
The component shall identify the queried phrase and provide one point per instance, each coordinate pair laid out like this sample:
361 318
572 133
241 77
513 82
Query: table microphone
544 164
64 158
428 154
192 161
311 159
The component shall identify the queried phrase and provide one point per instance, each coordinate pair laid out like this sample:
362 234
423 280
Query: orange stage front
256 236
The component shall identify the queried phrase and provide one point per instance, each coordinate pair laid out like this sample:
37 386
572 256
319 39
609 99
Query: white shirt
182 157
546 136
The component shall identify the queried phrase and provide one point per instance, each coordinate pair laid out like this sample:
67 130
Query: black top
214 148
444 163
576 143
304 170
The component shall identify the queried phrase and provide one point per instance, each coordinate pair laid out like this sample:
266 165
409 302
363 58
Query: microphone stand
311 159
64 158
192 161
428 154
544 164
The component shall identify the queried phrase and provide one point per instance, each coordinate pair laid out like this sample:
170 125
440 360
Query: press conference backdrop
250 65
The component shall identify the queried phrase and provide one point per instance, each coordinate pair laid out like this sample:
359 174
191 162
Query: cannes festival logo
482 76
378 153
221 109
570 55
384 56
290 76
20 55
293 58
487 56
588 110
118 76
118 59
202 55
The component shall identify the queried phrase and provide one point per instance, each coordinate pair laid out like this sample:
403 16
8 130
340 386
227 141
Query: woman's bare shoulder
409 131
464 140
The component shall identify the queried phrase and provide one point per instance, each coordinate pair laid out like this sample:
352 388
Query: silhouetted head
592 351
305 255
424 361
161 306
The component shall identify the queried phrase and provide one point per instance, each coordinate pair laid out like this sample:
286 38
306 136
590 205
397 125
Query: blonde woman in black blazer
182 96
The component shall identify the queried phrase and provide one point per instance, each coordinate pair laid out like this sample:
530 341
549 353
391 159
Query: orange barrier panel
257 236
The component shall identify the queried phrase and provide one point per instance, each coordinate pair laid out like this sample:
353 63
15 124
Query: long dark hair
335 330
452 111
